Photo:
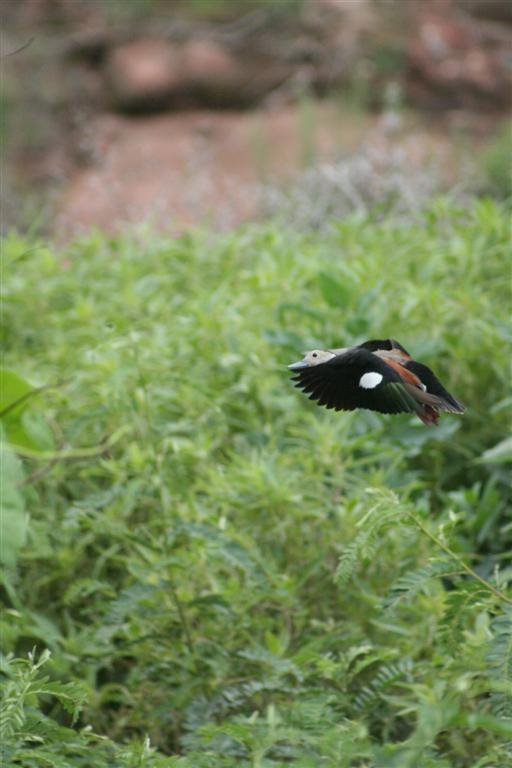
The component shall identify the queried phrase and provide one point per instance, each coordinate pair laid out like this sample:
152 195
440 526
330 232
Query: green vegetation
496 166
207 570
216 8
119 10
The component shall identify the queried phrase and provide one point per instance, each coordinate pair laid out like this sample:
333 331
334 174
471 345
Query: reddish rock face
454 58
144 74
183 167
179 170
152 75
188 169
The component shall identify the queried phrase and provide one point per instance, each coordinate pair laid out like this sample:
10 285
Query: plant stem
72 454
461 562
183 618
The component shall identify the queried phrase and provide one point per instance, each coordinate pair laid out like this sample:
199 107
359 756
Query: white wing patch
370 380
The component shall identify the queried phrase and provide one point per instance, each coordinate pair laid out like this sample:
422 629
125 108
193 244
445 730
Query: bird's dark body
385 344
378 375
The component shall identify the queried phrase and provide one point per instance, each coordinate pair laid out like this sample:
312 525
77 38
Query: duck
377 375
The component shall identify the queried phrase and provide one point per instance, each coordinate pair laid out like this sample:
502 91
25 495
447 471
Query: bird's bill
299 366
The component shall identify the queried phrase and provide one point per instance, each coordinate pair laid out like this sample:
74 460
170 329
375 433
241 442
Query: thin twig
183 618
39 472
20 49
461 562
72 454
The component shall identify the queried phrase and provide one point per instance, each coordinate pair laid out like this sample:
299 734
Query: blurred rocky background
183 112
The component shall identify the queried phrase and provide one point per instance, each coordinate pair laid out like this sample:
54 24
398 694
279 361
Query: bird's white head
314 357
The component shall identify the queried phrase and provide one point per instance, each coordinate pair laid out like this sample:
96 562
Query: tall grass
219 573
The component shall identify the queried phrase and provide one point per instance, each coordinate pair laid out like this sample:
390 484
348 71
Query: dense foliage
203 568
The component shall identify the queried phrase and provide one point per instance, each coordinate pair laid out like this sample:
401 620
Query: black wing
336 384
434 386
389 344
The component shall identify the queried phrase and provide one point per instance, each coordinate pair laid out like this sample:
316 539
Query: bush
497 166
223 573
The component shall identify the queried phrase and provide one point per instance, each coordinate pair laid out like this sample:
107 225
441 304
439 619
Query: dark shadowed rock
150 75
211 73
493 10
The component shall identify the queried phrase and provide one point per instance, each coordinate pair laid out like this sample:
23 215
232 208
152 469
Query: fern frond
459 604
386 676
383 513
23 674
412 582
499 658
25 683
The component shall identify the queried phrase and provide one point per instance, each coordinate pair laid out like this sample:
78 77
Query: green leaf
13 517
23 428
72 695
499 658
499 453
334 293
412 582
14 392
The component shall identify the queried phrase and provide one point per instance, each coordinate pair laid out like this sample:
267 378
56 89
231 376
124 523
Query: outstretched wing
356 379
434 387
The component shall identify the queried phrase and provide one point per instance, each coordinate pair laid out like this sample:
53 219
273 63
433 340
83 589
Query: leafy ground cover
205 569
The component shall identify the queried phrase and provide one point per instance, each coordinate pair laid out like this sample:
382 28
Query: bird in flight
379 375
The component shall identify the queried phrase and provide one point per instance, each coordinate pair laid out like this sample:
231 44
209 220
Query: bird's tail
428 416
